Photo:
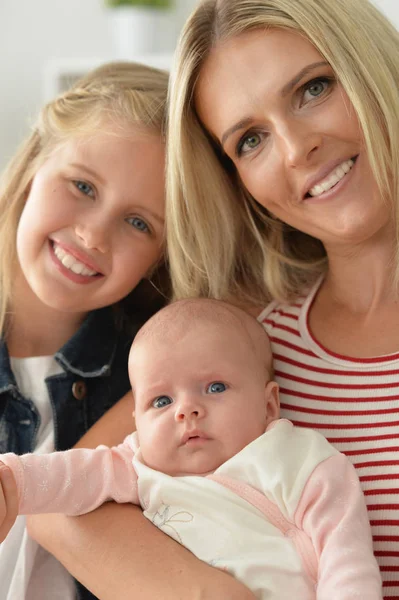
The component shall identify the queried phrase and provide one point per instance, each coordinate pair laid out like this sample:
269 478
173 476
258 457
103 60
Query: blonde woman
284 186
82 223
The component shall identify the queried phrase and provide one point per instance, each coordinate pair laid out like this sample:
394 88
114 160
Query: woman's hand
8 501
117 553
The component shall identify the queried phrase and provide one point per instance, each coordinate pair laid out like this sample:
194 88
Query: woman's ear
272 399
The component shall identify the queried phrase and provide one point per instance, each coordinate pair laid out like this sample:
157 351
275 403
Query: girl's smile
73 263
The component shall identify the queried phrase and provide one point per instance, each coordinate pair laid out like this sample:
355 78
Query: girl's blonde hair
221 242
123 93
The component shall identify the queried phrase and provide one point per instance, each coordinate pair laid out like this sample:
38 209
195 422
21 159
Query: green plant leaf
150 3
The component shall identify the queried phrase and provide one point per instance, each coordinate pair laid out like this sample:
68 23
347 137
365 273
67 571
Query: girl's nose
94 236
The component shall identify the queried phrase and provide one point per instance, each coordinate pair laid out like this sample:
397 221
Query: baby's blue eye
216 388
161 401
139 224
84 187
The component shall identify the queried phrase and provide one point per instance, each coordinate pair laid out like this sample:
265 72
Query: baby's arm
73 482
117 553
333 512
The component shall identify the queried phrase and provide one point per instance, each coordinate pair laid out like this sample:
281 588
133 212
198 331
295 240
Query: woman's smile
329 182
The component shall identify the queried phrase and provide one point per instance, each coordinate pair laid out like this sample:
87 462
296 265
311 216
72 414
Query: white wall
33 31
390 8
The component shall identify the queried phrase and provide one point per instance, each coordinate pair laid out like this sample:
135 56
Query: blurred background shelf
60 73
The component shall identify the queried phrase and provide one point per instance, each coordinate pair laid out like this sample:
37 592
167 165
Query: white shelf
59 74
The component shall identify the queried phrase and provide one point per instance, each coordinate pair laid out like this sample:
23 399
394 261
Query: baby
212 465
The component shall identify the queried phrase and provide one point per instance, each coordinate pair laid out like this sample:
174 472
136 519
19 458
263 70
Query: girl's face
275 107
93 223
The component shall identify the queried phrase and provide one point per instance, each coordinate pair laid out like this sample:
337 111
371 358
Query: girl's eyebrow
88 170
244 123
155 216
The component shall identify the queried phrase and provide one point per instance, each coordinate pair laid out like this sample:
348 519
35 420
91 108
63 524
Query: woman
283 175
284 160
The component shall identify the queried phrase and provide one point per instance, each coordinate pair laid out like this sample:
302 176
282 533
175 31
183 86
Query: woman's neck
35 329
360 279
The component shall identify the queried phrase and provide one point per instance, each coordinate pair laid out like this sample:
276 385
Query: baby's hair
183 314
115 97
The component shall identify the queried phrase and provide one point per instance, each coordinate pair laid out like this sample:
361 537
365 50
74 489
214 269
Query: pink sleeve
74 482
333 513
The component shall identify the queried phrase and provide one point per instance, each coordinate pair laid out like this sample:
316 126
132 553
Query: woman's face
275 107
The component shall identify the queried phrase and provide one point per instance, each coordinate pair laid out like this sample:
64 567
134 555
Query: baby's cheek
155 451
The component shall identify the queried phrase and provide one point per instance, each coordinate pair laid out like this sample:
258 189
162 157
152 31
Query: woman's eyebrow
302 73
243 123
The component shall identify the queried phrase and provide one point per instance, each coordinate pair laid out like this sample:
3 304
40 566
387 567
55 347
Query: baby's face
199 398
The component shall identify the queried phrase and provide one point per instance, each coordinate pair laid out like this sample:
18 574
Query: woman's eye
315 88
139 224
217 387
248 143
85 188
161 401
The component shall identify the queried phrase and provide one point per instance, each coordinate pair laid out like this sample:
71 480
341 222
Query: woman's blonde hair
122 93
221 242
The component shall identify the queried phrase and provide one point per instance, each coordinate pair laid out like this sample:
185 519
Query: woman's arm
8 501
117 553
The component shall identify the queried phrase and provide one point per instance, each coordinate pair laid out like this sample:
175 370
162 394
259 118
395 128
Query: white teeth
334 177
71 263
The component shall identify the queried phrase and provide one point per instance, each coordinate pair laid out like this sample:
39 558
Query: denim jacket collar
7 379
88 353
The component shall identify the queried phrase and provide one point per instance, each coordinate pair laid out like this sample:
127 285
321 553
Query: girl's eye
217 387
248 143
139 224
315 88
85 188
161 401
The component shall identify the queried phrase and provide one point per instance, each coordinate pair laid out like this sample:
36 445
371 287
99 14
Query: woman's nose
299 143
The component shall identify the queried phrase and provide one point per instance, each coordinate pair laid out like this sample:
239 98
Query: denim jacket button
79 390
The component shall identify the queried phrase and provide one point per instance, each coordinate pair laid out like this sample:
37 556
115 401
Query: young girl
82 224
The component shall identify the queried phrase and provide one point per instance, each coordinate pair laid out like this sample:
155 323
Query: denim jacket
94 377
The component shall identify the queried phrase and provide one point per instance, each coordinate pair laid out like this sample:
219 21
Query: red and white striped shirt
354 403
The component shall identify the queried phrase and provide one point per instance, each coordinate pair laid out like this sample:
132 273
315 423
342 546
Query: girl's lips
78 255
74 277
